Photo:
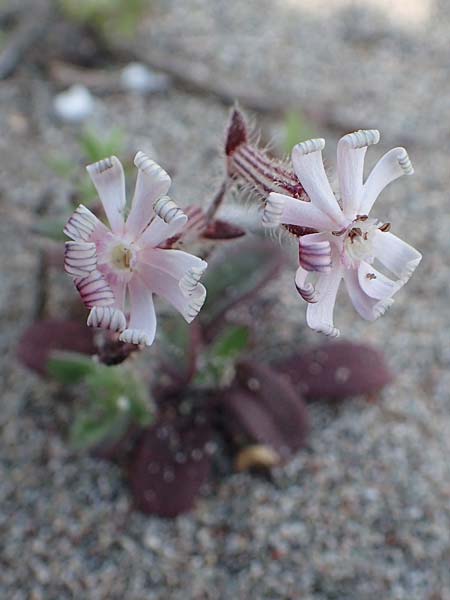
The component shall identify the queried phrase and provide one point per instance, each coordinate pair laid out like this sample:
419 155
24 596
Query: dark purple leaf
44 337
171 463
221 230
264 408
337 370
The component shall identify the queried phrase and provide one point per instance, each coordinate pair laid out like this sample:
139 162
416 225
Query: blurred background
364 511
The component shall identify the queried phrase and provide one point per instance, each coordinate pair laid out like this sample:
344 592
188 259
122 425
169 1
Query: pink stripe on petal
82 225
80 258
94 290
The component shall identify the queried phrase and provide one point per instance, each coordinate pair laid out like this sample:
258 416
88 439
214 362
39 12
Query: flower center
358 241
122 257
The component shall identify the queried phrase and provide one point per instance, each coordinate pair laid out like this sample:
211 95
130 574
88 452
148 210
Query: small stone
74 105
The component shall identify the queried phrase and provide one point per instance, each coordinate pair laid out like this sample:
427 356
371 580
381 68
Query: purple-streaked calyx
256 171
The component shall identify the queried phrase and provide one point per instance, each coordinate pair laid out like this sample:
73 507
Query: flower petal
80 258
306 290
319 315
142 325
395 254
108 177
375 284
175 262
94 290
107 317
152 183
350 166
169 221
315 253
281 209
369 308
163 284
308 166
391 166
83 225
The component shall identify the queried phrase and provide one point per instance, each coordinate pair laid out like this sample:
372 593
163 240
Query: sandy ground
364 511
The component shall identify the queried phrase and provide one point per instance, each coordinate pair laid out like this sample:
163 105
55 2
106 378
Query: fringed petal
395 254
175 262
106 317
281 209
186 295
108 177
80 258
95 290
391 166
308 166
368 308
350 166
319 315
152 183
142 325
83 225
375 284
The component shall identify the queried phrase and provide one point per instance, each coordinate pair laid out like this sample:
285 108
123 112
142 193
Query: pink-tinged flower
348 242
120 269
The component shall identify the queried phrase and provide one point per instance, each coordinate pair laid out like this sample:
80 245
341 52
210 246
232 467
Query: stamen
385 227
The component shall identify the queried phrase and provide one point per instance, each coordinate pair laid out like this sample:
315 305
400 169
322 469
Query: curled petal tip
362 138
80 258
315 256
135 336
81 224
405 162
196 301
308 293
94 290
149 166
329 330
190 281
103 165
272 211
310 146
106 317
167 210
382 306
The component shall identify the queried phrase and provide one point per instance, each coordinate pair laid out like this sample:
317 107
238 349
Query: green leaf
90 428
96 147
230 344
296 129
217 364
70 367
51 229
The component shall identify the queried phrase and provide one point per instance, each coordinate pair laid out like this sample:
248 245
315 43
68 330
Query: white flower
348 242
125 265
